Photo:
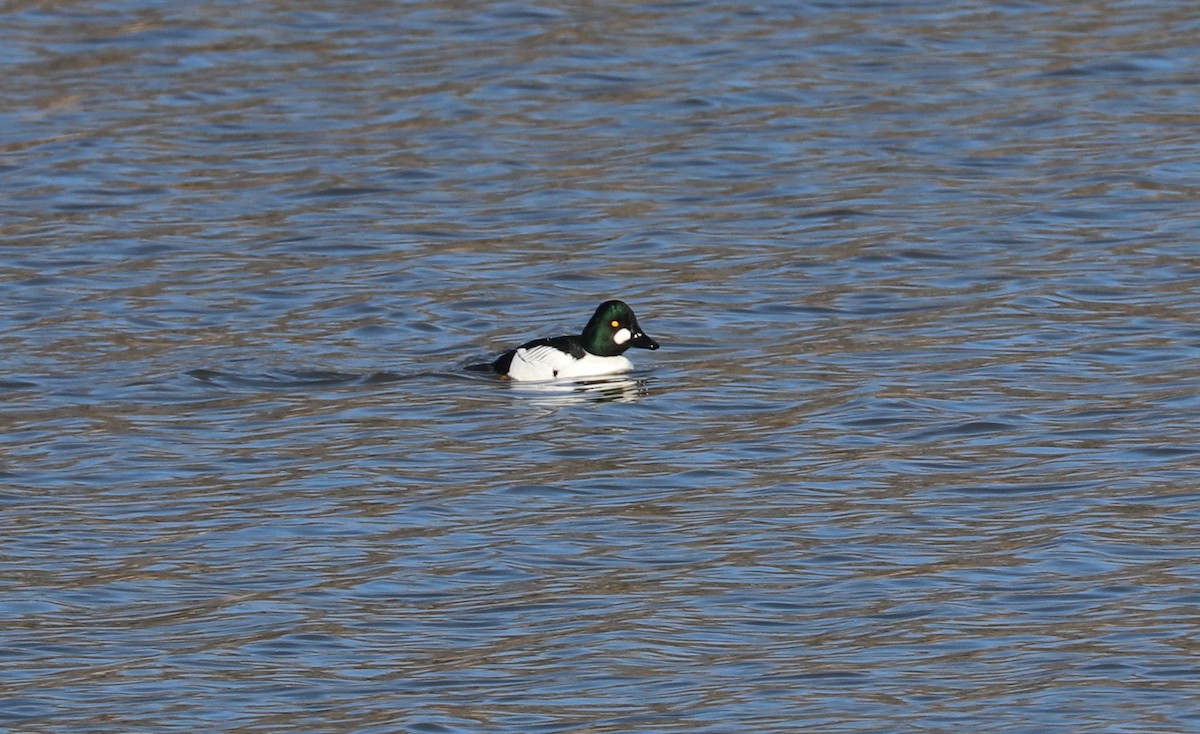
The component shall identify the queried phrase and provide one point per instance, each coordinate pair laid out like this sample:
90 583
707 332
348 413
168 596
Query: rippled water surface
919 453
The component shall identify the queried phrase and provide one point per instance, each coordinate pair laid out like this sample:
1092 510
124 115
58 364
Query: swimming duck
599 350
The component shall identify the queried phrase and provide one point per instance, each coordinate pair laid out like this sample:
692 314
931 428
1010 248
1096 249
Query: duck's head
613 329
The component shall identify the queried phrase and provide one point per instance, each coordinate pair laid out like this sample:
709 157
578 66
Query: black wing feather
569 344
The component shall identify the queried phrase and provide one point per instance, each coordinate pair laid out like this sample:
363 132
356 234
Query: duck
599 350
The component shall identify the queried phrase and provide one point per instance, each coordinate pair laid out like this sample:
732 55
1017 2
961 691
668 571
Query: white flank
548 363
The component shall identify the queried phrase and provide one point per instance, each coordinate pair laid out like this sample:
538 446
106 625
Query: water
919 452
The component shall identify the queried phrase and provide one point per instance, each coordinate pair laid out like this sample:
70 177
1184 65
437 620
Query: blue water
919 452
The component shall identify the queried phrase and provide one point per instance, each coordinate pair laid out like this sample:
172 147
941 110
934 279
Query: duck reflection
616 389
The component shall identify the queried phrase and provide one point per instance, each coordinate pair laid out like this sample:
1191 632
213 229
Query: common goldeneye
597 351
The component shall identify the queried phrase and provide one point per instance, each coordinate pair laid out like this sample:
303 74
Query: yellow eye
615 324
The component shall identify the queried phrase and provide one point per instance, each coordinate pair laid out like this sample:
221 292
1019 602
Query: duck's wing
540 359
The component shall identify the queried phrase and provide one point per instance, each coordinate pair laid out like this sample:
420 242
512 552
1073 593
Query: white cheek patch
622 335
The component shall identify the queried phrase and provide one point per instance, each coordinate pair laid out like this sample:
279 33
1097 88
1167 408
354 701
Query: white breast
548 363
